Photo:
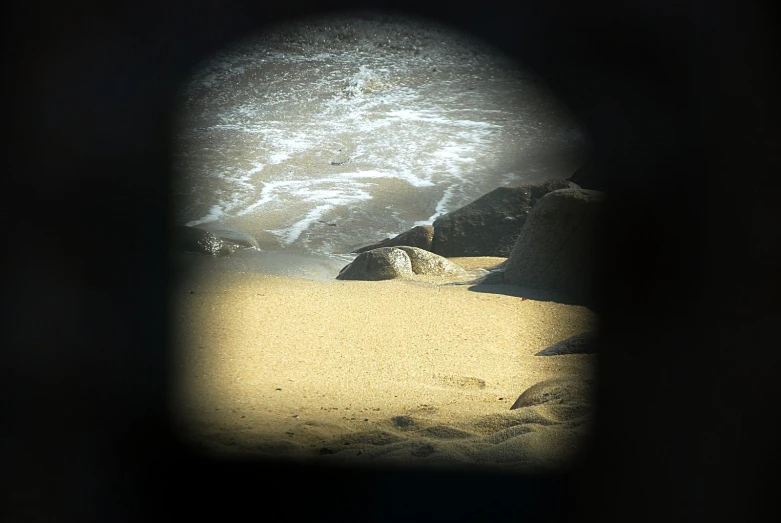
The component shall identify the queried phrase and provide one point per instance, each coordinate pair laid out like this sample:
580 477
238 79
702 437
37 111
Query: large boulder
195 240
558 248
387 263
490 225
420 236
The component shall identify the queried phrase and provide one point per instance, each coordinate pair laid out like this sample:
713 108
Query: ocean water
331 134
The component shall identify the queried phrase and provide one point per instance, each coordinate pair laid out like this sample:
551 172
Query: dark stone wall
680 100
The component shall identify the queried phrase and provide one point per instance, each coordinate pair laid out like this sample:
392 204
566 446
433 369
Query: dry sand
388 372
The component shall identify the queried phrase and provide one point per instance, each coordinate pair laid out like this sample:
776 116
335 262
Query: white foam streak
215 213
337 190
291 234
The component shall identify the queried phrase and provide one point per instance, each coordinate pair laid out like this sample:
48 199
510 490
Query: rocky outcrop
579 344
192 239
387 263
490 225
420 236
558 391
558 247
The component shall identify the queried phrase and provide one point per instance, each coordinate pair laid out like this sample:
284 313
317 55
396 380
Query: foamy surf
370 126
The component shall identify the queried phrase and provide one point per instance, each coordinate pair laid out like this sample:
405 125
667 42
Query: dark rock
557 391
420 236
192 239
558 247
386 263
578 344
490 225
239 239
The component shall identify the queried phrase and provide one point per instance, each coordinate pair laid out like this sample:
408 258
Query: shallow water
334 134
314 266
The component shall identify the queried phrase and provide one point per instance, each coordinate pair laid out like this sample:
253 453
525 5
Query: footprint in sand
403 423
359 440
445 433
461 382
373 437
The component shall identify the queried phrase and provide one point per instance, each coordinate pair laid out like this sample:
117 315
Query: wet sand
389 372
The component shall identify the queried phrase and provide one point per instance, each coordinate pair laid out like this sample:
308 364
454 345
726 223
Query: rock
420 236
386 263
579 344
429 264
193 239
267 241
490 225
558 247
239 239
557 391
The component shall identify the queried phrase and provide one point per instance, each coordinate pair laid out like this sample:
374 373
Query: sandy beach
389 372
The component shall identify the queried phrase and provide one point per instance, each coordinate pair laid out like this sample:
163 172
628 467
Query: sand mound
556 391
585 343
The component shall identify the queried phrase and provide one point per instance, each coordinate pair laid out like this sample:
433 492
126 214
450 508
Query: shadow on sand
528 293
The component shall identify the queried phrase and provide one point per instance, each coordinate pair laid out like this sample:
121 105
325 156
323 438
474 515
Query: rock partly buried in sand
579 344
490 225
420 237
387 263
429 264
195 240
239 239
557 248
557 391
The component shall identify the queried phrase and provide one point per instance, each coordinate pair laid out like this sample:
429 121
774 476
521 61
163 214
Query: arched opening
681 109
318 138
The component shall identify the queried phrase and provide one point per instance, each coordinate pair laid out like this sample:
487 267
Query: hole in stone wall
296 149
